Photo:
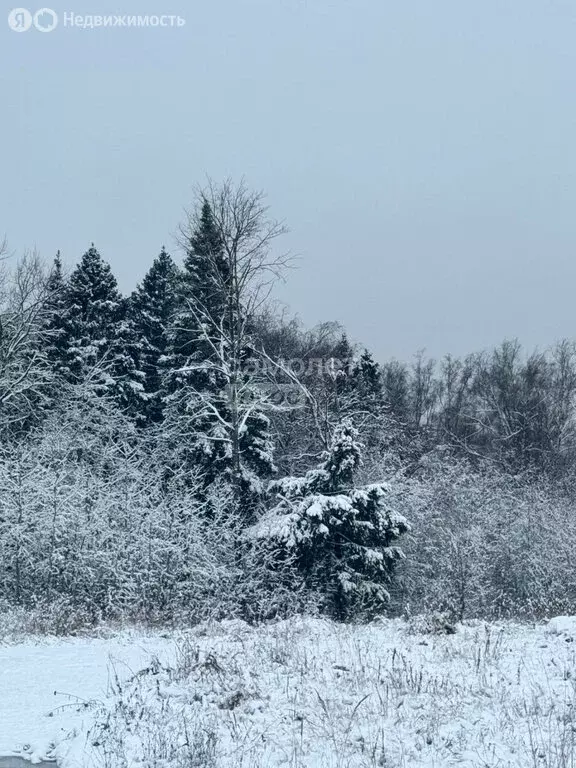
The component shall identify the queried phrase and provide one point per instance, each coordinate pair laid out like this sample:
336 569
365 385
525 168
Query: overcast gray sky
422 153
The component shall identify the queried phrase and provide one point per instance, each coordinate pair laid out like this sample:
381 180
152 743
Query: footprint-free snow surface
46 688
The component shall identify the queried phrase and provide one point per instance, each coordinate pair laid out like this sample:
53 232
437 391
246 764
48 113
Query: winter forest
190 451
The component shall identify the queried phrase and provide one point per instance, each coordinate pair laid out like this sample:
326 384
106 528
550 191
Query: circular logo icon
45 20
20 20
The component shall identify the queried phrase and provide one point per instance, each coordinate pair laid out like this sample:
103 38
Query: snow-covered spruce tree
194 432
150 311
366 376
201 289
217 412
126 380
54 315
359 396
343 538
93 310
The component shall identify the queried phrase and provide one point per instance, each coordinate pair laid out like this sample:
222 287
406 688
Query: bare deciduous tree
24 373
242 270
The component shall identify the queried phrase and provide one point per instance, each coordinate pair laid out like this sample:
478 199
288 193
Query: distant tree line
189 450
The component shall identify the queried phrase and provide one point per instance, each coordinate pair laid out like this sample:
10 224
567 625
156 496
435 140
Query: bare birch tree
24 373
242 271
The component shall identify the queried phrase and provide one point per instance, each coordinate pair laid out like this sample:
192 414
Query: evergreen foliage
149 316
343 538
92 313
138 437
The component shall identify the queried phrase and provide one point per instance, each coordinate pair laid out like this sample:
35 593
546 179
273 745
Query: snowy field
299 693
48 688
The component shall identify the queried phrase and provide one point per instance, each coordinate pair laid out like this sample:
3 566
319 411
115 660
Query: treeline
187 450
502 406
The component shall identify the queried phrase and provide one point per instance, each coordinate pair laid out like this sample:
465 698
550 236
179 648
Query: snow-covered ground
47 686
297 693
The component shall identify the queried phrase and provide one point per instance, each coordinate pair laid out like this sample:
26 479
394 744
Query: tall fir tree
128 380
211 402
202 301
149 314
54 315
368 380
93 310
